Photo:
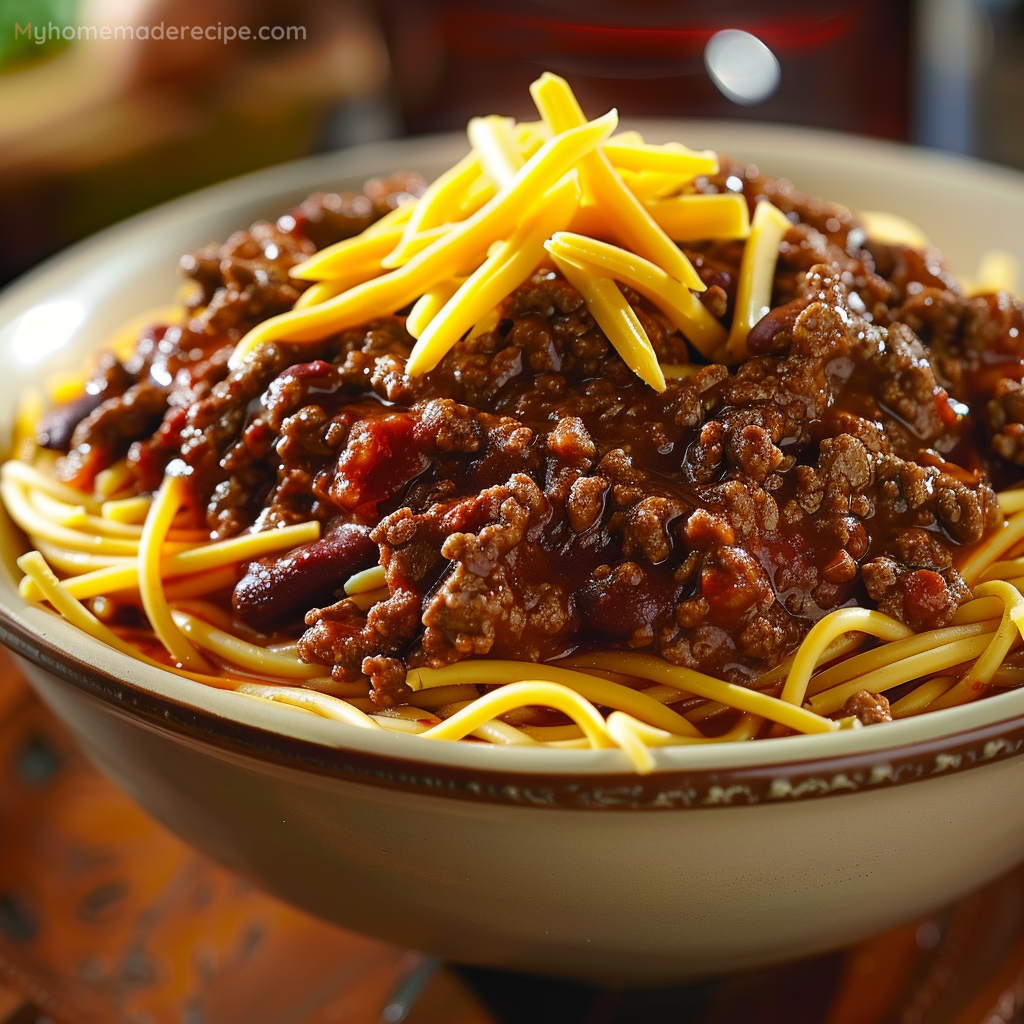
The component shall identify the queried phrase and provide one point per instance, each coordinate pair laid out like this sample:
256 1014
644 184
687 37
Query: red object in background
845 65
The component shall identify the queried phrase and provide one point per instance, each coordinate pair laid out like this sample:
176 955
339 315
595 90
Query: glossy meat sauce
531 496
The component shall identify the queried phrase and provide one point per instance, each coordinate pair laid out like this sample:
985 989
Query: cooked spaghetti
589 443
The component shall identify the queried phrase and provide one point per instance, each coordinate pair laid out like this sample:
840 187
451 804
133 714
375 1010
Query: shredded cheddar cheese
695 217
504 270
608 209
629 217
494 142
674 299
757 275
449 255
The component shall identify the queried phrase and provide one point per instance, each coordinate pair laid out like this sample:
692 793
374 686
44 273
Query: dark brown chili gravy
531 496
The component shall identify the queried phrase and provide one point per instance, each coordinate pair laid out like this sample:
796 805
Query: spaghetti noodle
583 445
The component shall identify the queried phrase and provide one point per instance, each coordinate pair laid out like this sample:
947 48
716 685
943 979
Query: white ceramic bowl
727 857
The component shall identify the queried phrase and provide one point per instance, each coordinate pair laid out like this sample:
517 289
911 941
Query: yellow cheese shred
501 273
368 579
449 255
349 255
698 217
671 158
321 291
630 219
675 300
614 315
757 276
494 142
429 304
438 205
649 186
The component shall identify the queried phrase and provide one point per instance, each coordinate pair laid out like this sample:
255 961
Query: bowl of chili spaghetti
730 555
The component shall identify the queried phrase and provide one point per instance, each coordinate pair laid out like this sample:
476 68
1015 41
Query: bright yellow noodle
51 590
239 652
30 476
1011 628
920 697
596 690
647 666
539 692
828 629
127 510
165 507
197 559
22 512
319 703
990 549
918 666
895 651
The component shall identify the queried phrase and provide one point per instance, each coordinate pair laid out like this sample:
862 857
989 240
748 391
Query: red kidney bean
278 591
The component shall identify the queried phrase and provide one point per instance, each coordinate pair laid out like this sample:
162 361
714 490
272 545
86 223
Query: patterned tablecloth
105 918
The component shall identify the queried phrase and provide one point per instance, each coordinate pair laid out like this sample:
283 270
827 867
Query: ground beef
1005 412
246 280
531 497
235 286
869 708
549 500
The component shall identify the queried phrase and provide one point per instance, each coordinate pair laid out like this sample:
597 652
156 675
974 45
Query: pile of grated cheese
604 209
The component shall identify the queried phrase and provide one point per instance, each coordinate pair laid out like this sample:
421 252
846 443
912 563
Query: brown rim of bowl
693 788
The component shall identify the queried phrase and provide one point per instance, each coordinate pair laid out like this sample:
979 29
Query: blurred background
106 110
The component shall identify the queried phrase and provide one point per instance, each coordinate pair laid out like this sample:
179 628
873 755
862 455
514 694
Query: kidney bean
278 591
54 430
